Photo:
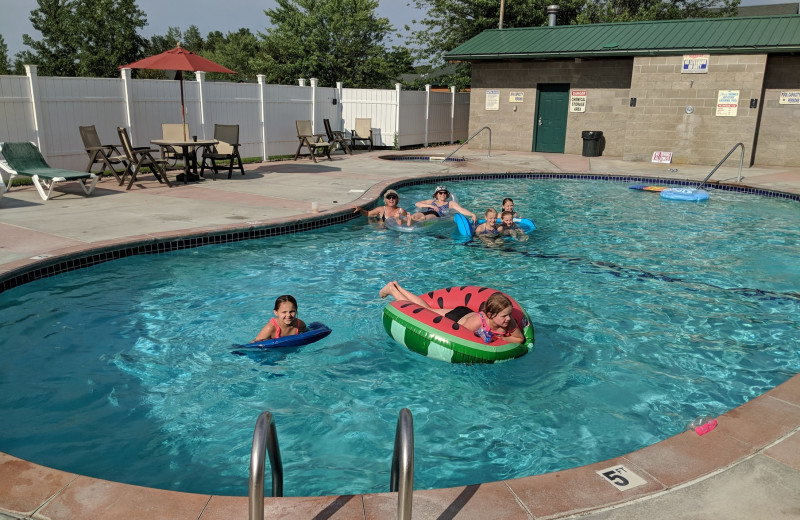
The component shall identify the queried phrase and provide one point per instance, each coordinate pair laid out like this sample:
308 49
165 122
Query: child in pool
285 322
510 228
492 322
488 231
508 205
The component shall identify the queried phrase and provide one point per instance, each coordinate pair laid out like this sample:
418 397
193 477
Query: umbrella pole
183 110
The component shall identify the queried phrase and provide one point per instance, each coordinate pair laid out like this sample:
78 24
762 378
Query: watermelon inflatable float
425 332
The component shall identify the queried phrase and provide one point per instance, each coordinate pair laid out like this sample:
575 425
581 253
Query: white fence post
398 88
452 111
427 111
301 82
36 107
339 118
126 94
314 104
262 116
200 76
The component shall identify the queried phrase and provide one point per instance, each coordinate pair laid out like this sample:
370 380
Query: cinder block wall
779 132
606 80
660 121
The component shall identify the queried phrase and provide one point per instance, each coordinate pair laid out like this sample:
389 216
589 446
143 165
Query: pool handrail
470 139
741 161
402 474
265 439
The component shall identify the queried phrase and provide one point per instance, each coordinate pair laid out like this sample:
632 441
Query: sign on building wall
727 102
577 101
695 64
515 97
662 157
492 100
789 98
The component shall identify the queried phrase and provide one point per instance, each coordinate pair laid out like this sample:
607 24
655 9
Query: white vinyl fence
49 110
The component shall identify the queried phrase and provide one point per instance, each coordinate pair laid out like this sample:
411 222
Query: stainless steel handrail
741 161
402 475
265 439
470 139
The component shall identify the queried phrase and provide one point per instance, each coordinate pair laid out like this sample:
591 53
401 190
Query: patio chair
25 159
138 157
363 131
107 155
311 141
173 132
336 137
226 150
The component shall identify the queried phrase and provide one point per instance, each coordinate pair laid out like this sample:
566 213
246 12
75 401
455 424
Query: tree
84 37
641 10
5 65
331 40
235 51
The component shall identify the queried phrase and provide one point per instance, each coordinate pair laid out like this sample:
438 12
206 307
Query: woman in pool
493 322
390 209
285 322
438 207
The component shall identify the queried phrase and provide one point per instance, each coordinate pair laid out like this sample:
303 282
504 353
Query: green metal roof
753 35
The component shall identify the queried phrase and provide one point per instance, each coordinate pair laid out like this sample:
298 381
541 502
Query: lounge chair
226 150
173 132
311 141
107 155
25 159
336 137
363 131
138 157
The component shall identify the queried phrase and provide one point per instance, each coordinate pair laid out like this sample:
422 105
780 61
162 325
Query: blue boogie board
465 226
316 331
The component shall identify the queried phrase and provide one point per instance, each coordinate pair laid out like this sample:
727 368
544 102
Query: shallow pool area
647 313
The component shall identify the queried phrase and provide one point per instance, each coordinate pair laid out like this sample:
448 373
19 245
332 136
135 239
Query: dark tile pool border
55 265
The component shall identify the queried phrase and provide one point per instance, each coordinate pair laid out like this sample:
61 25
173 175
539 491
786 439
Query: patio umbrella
179 60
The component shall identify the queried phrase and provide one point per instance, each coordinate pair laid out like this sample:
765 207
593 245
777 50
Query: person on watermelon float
493 322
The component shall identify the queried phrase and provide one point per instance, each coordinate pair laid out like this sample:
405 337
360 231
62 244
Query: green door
552 106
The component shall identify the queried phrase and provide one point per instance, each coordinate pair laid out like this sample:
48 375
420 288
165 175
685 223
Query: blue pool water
648 313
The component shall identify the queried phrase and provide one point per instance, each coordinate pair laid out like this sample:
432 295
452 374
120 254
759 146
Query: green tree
56 53
84 37
5 65
332 40
237 51
109 36
642 10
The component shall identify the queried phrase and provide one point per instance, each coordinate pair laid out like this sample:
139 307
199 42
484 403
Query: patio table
188 151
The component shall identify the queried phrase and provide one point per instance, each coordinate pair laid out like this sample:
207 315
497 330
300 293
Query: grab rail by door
265 439
741 161
470 139
402 475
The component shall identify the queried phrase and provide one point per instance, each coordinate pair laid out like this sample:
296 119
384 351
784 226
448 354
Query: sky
207 15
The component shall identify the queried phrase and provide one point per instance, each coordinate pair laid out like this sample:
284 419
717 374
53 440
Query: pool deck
748 467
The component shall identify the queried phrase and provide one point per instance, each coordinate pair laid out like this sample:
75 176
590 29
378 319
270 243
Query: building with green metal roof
691 88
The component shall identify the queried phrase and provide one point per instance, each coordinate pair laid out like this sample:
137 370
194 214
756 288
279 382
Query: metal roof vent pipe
552 12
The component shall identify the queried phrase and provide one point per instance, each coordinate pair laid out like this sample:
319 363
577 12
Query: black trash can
591 142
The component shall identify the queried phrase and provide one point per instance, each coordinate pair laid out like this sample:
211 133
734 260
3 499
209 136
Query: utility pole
502 8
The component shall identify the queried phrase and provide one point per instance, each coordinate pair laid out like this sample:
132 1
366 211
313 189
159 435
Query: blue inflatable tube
690 194
465 227
316 331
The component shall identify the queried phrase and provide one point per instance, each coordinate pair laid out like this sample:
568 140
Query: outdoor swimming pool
647 314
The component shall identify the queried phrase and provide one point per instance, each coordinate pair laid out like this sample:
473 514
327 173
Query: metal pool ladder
741 161
470 139
265 439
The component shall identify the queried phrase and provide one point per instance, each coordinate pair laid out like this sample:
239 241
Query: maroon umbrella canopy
178 59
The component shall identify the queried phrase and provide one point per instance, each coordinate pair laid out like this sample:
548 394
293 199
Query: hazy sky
207 15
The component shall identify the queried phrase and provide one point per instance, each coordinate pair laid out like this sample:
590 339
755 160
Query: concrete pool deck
748 467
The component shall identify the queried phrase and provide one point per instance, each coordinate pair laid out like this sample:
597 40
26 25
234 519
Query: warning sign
577 101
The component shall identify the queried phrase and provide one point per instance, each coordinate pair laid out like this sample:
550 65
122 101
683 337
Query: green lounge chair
25 159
